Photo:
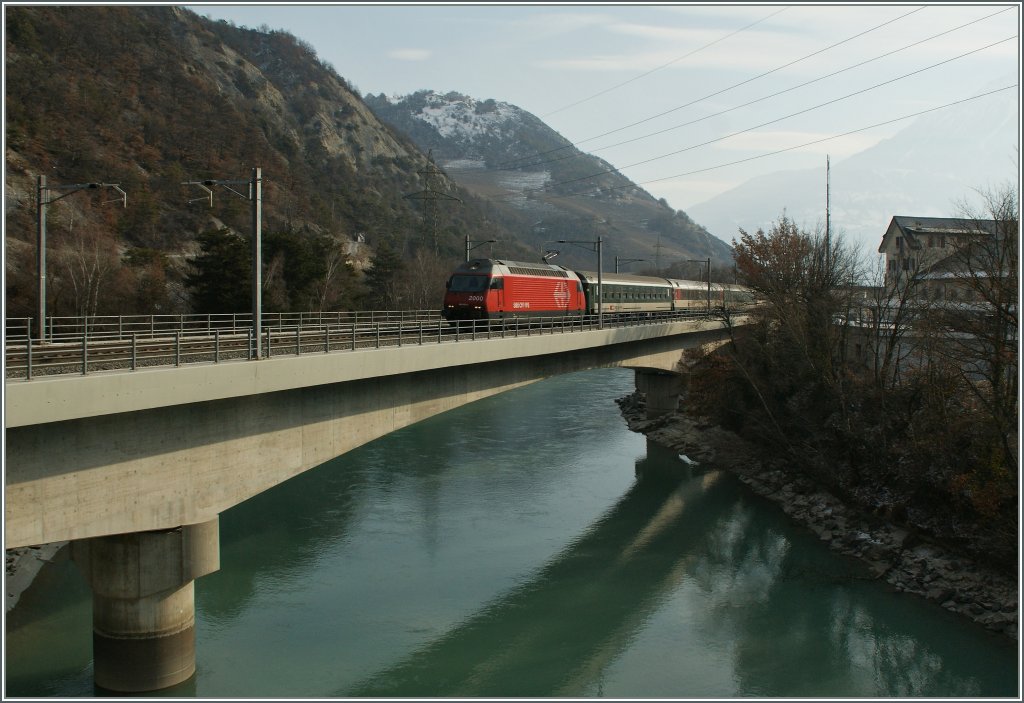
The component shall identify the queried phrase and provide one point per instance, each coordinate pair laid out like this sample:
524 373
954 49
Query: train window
468 284
497 283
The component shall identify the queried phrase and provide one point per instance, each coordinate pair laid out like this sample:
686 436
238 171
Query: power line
512 163
805 144
776 94
431 196
776 120
665 65
580 155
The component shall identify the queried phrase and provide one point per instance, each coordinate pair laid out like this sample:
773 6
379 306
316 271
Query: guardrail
19 329
103 349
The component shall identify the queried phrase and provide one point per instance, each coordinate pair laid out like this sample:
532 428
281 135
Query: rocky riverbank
20 568
903 559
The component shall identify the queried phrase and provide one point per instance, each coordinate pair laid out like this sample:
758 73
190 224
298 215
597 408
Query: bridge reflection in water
554 634
446 563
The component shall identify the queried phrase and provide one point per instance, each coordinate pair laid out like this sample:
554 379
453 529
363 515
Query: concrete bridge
133 468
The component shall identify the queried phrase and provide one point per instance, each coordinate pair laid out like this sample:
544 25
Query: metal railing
19 329
132 342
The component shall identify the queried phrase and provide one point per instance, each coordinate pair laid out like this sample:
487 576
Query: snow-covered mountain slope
502 152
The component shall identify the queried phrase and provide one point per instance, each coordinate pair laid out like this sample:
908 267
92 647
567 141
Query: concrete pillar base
662 390
144 603
128 660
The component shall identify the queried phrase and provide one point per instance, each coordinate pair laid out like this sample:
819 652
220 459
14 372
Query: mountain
152 98
926 169
156 99
499 151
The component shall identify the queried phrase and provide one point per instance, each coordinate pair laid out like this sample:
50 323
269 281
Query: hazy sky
675 94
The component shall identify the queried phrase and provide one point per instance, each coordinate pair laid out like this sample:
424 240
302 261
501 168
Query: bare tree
425 282
893 306
981 329
275 289
327 289
86 261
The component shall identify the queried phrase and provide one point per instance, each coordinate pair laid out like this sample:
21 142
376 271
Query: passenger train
491 289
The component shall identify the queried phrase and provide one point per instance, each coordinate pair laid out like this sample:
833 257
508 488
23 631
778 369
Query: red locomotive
488 289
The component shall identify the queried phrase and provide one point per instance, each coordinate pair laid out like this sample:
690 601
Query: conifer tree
384 279
220 281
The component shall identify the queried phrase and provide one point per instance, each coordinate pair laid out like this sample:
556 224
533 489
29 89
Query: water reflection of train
490 289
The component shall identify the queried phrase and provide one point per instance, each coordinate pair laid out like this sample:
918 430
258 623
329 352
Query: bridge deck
118 452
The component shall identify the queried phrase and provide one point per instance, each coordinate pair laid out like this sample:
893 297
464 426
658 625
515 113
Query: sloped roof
911 228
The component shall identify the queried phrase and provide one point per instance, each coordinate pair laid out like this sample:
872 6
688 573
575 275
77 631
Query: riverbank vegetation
902 404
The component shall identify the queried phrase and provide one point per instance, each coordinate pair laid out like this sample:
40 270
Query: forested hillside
153 97
156 99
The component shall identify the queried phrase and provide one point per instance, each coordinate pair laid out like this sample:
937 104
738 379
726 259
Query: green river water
528 545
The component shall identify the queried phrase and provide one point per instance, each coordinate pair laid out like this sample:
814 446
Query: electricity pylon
431 195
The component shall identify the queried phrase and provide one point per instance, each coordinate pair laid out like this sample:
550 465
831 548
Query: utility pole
255 197
625 261
471 245
431 195
42 200
709 286
596 244
828 233
706 262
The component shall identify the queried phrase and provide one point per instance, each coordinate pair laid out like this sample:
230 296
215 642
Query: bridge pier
143 603
662 389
